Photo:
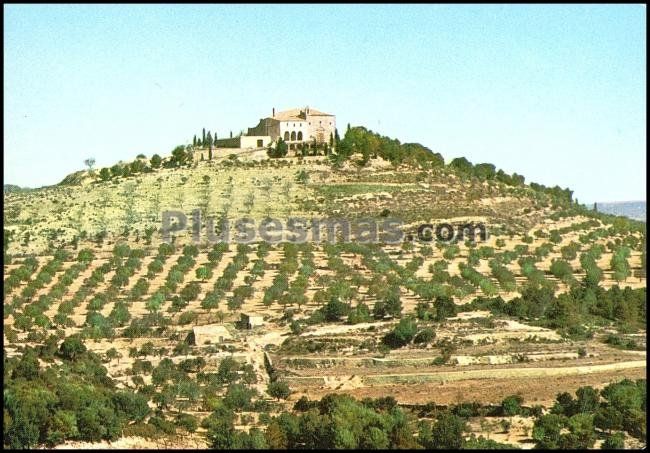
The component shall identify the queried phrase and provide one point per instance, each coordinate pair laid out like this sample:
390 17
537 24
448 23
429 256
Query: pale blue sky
556 93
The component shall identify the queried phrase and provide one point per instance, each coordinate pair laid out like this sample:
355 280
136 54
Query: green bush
511 405
187 421
279 390
425 336
402 334
187 317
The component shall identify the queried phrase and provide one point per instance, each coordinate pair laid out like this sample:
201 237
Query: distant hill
633 209
9 188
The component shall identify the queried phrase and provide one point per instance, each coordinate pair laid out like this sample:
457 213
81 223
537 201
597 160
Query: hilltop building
296 126
306 126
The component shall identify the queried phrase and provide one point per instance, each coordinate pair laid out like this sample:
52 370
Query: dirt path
255 352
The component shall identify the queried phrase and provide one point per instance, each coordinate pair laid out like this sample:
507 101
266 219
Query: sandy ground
535 391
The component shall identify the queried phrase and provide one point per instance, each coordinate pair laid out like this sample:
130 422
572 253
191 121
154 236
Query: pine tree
203 139
194 141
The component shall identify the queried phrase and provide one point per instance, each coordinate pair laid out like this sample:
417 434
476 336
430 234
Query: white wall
294 126
250 141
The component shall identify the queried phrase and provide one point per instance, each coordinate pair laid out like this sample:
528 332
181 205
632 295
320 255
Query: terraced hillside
231 187
553 301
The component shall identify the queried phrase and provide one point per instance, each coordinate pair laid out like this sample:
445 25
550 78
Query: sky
554 92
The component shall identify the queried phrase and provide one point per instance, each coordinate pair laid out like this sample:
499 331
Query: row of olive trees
181 155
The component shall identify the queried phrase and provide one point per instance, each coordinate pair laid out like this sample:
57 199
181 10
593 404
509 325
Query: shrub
187 421
203 273
85 256
511 405
402 334
187 317
388 303
72 347
451 251
335 309
238 397
191 291
279 390
445 433
445 308
359 314
163 425
425 336
562 270
614 441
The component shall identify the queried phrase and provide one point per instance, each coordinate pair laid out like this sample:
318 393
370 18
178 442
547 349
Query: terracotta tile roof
297 114
318 112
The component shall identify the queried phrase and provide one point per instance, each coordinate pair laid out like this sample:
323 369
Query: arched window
293 135
300 135
286 136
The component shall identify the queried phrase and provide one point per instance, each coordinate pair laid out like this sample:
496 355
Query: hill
371 176
633 209
351 344
11 188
